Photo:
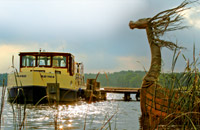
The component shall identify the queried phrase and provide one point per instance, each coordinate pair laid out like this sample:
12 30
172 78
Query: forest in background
3 77
116 79
132 79
128 78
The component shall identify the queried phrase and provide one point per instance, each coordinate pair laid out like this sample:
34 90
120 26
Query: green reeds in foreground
19 110
2 101
108 122
184 93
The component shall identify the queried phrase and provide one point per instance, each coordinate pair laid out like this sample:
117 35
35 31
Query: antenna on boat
13 61
39 57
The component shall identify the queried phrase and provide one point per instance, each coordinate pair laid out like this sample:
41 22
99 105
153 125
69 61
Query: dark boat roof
45 53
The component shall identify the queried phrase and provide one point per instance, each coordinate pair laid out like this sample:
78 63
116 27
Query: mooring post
127 96
137 96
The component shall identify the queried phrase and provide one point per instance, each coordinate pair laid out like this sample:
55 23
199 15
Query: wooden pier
94 92
126 91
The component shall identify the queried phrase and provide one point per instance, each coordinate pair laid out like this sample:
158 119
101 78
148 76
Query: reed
2 101
18 106
108 121
56 116
184 93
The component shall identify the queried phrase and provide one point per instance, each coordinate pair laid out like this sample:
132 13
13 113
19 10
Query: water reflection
76 116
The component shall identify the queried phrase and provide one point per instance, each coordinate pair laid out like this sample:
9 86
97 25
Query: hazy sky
95 31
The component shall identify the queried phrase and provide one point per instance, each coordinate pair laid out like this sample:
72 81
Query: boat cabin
41 61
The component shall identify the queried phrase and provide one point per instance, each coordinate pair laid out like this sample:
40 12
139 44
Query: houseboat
45 76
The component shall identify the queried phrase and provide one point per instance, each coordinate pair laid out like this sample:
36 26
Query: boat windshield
28 60
59 61
44 60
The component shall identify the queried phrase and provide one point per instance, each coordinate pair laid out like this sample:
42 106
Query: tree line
128 78
117 79
3 78
132 79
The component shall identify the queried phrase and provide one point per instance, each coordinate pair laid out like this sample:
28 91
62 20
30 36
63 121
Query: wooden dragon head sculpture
140 24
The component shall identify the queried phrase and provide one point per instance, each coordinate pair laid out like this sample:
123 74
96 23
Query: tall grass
184 93
2 101
18 105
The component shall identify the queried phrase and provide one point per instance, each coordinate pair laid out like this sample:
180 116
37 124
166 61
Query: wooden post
90 84
53 91
137 96
103 95
127 96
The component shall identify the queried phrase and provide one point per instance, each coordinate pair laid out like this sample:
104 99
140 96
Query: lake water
75 116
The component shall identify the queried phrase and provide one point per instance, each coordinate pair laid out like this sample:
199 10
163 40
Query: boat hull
38 94
157 103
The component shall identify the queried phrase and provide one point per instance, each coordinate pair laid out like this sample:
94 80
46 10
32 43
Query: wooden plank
121 90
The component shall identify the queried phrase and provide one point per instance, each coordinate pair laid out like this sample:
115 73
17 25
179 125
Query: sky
96 32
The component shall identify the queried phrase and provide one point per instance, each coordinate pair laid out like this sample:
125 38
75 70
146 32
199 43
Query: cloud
6 53
133 63
7 50
192 16
60 19
95 32
104 62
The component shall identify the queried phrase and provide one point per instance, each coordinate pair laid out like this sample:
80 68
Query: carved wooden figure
153 98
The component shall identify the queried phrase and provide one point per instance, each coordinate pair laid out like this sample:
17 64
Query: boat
45 76
158 104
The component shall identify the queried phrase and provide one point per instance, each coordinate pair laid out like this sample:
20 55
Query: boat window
44 60
28 60
59 61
